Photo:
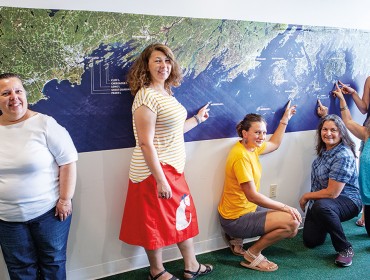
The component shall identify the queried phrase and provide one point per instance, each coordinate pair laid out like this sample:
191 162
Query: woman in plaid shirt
334 196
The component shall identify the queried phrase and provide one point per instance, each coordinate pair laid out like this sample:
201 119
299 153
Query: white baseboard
139 261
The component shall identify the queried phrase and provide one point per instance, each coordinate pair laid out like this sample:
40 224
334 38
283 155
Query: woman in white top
37 183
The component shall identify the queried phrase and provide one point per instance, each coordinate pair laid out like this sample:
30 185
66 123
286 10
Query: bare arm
277 137
366 93
67 186
145 120
200 117
361 103
332 191
249 189
356 129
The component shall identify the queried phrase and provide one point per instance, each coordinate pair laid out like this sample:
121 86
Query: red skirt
153 222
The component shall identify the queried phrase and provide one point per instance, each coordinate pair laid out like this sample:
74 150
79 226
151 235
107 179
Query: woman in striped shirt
159 210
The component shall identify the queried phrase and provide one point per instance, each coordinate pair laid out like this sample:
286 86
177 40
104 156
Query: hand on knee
295 226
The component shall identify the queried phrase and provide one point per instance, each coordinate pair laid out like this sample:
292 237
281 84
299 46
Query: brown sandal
235 243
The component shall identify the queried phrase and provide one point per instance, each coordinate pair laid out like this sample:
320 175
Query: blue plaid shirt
337 164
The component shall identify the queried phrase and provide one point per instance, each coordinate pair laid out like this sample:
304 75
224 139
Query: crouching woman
244 211
334 196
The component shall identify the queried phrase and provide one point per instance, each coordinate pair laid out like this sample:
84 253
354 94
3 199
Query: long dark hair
139 75
246 123
345 138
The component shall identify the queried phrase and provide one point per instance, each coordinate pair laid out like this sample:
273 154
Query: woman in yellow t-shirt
246 213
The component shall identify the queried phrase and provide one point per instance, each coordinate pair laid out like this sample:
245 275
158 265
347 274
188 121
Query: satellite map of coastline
74 63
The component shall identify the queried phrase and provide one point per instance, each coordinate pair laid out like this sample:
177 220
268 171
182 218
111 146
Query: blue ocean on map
104 121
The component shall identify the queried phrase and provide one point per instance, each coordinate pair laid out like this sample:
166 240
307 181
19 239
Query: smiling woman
334 196
35 191
158 193
160 66
244 212
330 135
13 101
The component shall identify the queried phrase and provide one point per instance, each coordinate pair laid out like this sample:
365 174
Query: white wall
94 249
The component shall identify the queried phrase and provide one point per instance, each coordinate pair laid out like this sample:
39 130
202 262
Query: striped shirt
169 133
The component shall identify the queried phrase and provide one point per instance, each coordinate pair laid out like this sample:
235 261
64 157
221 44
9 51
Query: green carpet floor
294 260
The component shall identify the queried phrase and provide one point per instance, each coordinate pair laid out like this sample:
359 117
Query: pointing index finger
339 82
289 102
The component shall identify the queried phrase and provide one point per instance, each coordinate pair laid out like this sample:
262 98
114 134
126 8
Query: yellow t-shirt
241 166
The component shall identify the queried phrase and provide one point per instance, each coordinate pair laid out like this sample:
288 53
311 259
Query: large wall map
74 64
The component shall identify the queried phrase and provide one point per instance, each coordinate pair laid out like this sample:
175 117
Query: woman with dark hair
334 196
37 183
242 208
159 209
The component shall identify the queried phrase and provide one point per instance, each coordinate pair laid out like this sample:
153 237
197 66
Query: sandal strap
209 269
256 259
250 254
236 241
260 258
158 275
193 273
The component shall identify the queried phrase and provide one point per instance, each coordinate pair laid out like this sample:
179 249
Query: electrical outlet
273 190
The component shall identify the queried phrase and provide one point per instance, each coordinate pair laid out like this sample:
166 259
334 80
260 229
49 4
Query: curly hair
246 123
139 75
345 138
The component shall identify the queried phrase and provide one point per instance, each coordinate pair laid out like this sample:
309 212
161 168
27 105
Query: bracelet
344 108
354 92
197 119
285 123
64 204
282 208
